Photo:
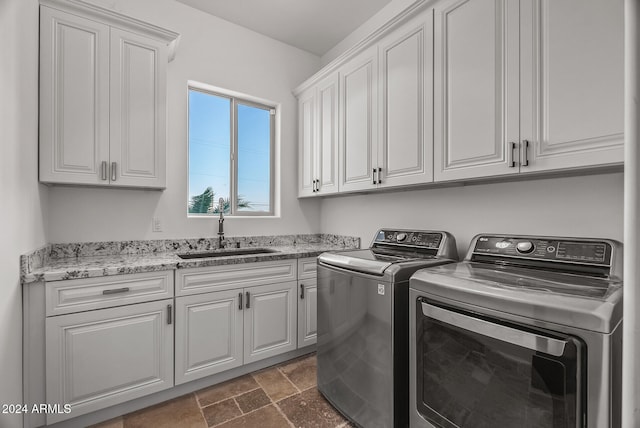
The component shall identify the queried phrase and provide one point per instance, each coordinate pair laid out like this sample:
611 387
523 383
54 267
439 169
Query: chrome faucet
220 222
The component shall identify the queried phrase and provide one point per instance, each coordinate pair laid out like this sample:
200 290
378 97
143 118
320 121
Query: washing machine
363 323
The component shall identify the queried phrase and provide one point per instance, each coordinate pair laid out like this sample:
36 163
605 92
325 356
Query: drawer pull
115 291
301 291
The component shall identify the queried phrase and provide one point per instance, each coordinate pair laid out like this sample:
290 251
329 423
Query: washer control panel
421 239
578 251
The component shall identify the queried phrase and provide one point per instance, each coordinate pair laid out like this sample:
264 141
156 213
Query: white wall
585 206
21 197
222 54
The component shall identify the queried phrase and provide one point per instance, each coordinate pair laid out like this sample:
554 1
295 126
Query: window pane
254 158
209 152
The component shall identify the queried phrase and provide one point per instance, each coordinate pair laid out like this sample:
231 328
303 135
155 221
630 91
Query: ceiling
312 25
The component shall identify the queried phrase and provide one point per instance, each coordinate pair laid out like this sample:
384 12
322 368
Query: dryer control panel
591 252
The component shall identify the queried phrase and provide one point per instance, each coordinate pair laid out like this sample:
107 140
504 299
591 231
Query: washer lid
371 261
579 301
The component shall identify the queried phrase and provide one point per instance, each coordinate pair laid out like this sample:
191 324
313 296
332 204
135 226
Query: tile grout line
230 397
199 408
287 377
286 418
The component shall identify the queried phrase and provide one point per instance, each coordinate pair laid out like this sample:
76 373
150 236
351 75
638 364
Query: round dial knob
524 247
401 237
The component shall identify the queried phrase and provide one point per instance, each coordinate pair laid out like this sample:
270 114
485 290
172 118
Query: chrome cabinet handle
115 291
525 153
533 341
512 149
379 175
248 304
301 291
240 301
374 176
169 314
104 170
114 167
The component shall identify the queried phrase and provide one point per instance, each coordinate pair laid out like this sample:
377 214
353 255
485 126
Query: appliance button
401 237
524 247
551 249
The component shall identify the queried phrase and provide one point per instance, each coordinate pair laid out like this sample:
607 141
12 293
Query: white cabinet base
208 334
99 358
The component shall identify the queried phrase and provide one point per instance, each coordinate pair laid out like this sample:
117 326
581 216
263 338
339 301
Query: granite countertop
85 260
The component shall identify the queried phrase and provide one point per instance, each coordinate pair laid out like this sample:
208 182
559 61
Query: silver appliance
524 332
363 323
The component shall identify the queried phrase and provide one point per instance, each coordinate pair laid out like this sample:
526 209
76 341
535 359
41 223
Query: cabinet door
208 334
138 111
572 65
100 358
327 135
307 312
358 121
476 88
307 142
406 114
269 320
74 98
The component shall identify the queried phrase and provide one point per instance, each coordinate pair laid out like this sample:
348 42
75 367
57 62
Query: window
231 151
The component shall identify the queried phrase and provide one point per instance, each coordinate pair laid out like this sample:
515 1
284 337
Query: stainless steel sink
227 253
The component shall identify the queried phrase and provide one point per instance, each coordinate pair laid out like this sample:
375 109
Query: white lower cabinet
307 312
221 330
100 358
270 321
307 301
208 334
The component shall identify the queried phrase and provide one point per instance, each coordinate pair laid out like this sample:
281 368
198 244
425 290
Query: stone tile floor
280 396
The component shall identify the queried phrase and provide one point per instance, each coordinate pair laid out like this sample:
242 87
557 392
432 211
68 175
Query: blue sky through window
210 142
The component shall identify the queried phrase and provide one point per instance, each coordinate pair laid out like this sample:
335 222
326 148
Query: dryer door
474 370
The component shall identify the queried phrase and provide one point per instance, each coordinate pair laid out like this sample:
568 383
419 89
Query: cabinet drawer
307 268
76 295
226 277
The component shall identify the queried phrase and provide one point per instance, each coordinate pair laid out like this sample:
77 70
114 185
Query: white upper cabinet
307 142
102 97
572 83
386 99
476 88
138 110
539 86
318 138
405 149
358 140
74 98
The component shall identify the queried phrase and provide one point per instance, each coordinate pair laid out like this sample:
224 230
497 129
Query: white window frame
244 99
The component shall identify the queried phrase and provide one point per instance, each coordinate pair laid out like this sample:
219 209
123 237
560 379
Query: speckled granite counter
57 262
